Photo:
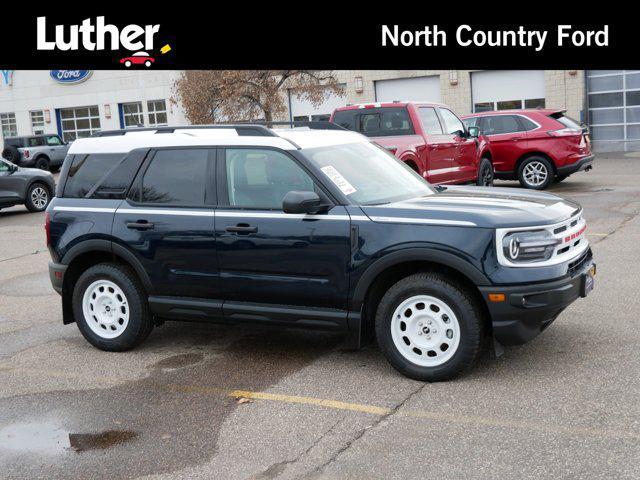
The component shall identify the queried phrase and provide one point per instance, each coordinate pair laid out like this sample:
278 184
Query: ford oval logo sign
70 76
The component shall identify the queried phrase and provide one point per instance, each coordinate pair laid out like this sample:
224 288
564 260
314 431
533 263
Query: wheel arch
380 276
89 253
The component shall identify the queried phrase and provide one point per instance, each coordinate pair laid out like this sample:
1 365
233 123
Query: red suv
534 146
428 137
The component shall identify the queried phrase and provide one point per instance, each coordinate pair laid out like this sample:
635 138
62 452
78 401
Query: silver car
45 152
29 186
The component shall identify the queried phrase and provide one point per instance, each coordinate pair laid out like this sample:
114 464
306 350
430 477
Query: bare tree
210 96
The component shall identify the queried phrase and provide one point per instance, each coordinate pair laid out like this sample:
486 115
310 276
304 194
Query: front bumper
582 164
529 309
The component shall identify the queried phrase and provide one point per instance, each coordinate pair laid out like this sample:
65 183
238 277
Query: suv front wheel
429 328
110 307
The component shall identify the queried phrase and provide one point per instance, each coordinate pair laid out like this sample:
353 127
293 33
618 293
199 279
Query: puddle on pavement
48 439
42 438
179 361
82 442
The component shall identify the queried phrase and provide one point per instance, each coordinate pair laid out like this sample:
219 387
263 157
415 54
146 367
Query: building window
37 122
132 115
9 127
509 105
157 113
79 122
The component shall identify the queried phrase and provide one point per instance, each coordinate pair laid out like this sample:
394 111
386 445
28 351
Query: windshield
367 174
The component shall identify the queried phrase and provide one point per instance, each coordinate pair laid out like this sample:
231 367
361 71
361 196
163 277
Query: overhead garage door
614 109
425 89
304 110
507 89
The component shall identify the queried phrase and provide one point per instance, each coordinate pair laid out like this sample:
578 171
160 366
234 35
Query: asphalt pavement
210 401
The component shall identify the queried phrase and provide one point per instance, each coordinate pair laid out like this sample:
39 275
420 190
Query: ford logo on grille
70 76
514 248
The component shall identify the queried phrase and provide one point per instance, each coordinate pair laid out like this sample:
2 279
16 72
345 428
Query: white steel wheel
535 173
39 197
106 309
425 331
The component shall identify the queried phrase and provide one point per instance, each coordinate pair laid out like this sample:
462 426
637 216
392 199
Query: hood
33 172
480 206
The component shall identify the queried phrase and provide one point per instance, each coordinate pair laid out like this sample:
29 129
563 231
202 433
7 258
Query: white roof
185 137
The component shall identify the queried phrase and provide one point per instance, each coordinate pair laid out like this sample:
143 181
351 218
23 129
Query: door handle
516 139
434 147
140 225
242 229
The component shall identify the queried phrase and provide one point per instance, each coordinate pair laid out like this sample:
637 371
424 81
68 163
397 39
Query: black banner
320 36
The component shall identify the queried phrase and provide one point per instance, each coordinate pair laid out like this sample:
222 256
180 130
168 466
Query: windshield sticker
340 182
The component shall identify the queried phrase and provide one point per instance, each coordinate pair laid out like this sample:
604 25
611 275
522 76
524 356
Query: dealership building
78 103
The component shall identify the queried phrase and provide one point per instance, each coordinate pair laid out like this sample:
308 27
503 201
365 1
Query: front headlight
529 246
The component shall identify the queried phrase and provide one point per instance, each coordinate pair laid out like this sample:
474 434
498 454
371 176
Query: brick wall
563 90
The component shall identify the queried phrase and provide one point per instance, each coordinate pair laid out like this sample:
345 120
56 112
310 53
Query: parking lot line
471 420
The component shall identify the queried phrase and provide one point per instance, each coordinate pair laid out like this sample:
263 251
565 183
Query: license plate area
588 282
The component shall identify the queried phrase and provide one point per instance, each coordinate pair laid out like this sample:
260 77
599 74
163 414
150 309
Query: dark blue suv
305 228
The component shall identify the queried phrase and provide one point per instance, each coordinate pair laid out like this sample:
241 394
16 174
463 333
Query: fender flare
414 254
103 245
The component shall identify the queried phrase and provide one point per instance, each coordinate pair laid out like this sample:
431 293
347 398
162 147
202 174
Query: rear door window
430 121
35 142
500 124
177 177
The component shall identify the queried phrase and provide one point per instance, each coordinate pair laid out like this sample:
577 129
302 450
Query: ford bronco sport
308 228
45 152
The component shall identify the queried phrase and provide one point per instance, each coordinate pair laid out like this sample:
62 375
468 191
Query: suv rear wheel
110 307
42 163
429 328
535 173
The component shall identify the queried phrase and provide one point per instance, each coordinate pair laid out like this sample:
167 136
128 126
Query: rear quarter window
346 119
103 175
14 142
381 122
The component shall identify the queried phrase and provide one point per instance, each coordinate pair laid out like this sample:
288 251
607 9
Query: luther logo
95 36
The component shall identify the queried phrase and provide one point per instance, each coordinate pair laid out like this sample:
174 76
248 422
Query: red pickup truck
428 137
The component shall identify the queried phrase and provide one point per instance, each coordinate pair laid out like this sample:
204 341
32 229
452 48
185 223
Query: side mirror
301 202
474 132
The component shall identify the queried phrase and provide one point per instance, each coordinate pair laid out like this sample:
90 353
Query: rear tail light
565 132
47 227
26 153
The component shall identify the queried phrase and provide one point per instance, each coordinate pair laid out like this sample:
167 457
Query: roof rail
313 124
246 130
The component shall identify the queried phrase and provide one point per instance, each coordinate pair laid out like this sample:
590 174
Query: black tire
485 173
42 163
560 178
11 154
464 306
140 322
34 199
536 162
